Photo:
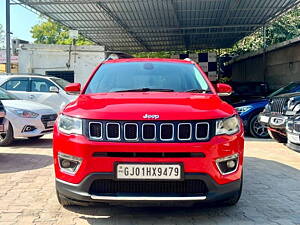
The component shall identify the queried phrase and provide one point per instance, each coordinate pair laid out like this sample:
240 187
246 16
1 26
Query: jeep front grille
144 131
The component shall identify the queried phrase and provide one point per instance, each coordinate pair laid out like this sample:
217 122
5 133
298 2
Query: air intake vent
113 131
149 133
95 130
166 131
202 131
184 131
131 131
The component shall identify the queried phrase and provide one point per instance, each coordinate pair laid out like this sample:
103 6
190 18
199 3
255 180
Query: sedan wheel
256 129
8 137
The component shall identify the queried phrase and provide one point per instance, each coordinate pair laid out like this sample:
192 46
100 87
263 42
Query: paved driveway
271 192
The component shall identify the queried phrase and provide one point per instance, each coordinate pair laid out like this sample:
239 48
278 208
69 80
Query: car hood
133 106
28 105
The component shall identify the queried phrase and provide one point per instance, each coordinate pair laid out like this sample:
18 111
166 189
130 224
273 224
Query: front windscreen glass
4 95
147 76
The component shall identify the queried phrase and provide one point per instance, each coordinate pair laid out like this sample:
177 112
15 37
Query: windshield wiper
198 91
146 90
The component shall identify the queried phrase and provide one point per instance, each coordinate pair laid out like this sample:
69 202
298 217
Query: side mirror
54 89
73 87
223 89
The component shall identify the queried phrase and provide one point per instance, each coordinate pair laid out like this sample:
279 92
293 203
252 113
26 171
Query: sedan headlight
69 125
25 113
243 109
228 126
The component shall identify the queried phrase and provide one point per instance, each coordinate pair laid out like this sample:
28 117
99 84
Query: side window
40 85
17 85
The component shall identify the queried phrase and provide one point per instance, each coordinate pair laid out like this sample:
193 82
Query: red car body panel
131 106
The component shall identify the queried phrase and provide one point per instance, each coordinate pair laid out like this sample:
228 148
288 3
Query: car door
18 86
40 92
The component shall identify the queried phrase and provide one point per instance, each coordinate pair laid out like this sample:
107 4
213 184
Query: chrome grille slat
113 137
93 129
180 128
163 130
128 132
152 132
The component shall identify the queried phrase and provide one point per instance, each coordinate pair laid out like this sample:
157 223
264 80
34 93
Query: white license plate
264 119
149 171
50 123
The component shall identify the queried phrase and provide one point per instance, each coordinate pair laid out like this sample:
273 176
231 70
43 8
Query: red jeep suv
148 130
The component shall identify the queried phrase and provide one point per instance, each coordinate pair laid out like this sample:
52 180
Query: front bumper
98 166
20 124
293 141
271 120
80 192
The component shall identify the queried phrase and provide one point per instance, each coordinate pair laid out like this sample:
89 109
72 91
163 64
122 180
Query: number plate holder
119 174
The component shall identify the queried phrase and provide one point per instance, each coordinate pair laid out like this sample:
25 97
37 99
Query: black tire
232 200
63 200
256 129
278 137
8 137
35 138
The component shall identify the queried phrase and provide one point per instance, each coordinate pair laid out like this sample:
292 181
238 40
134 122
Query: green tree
281 29
50 32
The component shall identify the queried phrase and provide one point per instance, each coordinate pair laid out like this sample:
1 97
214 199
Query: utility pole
8 66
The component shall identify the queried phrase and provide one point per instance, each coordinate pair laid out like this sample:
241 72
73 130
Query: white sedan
25 119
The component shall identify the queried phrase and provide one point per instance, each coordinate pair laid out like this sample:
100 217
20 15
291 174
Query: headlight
69 125
25 113
243 109
228 126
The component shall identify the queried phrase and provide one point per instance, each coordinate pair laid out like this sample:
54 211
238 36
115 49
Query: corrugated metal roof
157 25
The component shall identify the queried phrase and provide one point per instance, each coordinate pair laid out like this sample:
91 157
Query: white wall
37 58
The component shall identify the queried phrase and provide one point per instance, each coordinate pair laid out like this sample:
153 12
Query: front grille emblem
155 117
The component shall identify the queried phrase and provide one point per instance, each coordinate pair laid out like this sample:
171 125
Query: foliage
281 29
50 32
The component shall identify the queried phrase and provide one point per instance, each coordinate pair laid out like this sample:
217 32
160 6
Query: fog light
228 164
65 163
69 164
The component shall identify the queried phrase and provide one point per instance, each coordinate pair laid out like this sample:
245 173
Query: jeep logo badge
146 116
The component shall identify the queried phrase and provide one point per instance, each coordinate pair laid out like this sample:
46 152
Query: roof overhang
162 25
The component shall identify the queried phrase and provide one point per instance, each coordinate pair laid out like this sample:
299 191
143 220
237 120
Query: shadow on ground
271 195
11 163
27 143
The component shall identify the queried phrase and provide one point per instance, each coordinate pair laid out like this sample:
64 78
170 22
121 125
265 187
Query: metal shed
158 25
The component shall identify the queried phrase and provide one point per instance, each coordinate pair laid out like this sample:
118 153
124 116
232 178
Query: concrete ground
271 192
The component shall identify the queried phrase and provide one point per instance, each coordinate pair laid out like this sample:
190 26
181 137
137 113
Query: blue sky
21 21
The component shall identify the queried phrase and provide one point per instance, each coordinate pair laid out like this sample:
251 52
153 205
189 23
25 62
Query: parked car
148 130
246 91
2 116
25 119
250 109
293 133
277 112
46 90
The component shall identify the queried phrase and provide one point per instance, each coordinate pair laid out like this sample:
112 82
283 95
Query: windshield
284 90
147 76
60 82
4 95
